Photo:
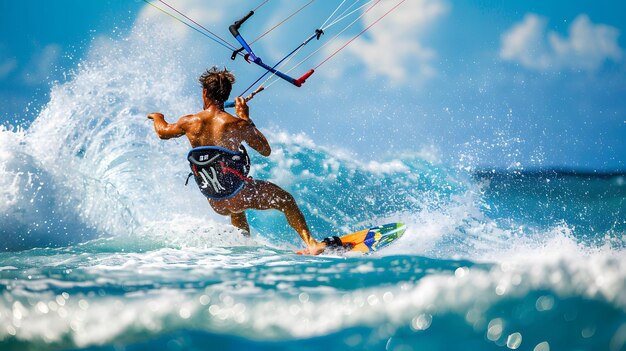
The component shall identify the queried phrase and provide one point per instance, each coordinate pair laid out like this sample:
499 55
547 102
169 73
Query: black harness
220 173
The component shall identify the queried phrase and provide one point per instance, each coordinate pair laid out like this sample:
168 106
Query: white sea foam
90 163
13 176
469 293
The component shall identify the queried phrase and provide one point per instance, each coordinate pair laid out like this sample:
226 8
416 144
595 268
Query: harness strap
188 176
235 172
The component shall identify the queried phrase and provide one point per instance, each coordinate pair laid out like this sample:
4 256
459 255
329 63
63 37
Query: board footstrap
334 242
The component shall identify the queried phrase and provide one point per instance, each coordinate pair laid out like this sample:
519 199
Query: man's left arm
251 134
166 130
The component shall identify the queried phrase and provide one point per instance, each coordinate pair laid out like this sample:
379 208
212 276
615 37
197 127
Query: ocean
105 248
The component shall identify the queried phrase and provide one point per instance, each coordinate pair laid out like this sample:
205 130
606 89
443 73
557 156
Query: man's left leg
240 221
237 219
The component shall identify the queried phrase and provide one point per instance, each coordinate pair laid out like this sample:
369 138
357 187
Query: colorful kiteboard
367 240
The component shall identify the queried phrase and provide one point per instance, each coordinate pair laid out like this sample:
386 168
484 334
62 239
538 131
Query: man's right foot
315 249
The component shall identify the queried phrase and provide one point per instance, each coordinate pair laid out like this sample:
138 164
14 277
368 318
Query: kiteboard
366 241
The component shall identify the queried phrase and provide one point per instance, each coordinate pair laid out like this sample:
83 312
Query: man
220 163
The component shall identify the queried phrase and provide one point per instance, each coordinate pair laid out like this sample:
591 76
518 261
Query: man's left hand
241 108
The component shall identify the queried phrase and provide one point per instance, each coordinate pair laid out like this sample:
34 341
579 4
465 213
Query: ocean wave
247 292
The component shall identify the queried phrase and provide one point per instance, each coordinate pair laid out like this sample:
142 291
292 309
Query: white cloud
587 47
392 47
7 67
40 65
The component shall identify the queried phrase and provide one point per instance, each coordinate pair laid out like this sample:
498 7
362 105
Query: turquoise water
475 275
104 248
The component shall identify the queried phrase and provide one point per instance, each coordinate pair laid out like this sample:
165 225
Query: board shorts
220 173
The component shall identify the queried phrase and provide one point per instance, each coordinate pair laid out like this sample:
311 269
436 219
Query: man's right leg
262 195
269 196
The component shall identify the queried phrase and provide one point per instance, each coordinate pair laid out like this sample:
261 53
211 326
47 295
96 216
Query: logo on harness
210 180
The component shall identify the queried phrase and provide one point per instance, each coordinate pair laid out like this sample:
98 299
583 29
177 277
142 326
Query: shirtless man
220 163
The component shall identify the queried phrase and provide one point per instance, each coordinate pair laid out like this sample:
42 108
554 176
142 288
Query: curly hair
218 83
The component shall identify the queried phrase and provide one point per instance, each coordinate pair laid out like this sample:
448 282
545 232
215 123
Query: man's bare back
215 127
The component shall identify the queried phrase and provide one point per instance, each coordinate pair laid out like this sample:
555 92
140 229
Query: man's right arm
166 130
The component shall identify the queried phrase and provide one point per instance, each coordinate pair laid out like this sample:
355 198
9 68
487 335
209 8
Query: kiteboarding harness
220 173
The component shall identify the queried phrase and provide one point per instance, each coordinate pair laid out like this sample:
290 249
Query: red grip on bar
298 82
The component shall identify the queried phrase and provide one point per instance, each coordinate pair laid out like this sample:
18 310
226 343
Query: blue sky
483 83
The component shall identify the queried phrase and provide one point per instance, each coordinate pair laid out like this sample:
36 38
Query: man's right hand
154 115
315 249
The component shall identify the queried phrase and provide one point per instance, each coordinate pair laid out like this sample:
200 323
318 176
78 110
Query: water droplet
184 313
388 344
52 306
83 304
303 297
228 300
214 309
17 314
588 331
42 307
494 329
204 300
461 272
514 341
544 303
421 322
542 346
388 297
372 300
